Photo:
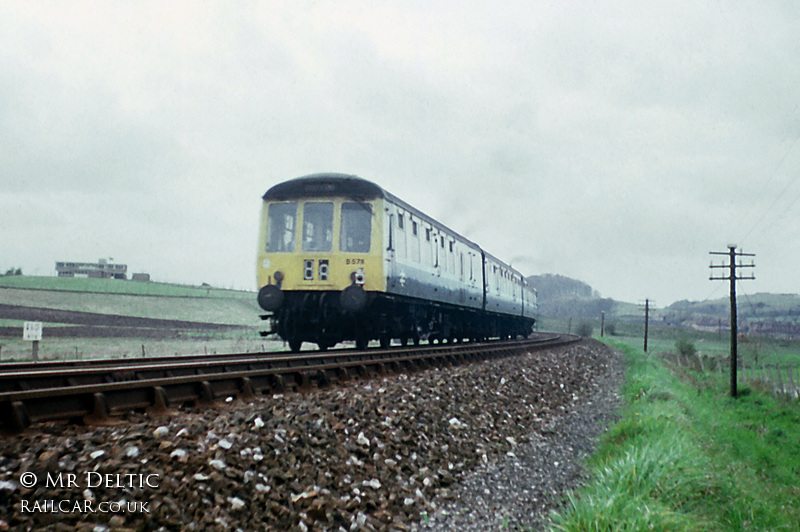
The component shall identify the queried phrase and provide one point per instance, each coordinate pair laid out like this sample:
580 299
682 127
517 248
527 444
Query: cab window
356 227
280 227
317 226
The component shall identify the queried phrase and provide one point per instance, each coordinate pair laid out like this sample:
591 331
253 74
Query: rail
94 391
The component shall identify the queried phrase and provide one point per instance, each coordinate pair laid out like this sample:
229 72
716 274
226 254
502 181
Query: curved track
94 390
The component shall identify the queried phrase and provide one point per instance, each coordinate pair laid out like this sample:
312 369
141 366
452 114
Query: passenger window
414 243
318 227
400 220
354 235
280 227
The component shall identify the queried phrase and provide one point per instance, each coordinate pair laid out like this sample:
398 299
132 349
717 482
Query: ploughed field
96 325
488 442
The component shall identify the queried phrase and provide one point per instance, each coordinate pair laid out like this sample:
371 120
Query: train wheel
385 341
295 344
361 342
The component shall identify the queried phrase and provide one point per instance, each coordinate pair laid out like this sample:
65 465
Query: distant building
102 269
144 277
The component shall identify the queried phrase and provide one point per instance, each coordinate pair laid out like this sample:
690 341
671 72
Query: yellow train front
342 259
320 258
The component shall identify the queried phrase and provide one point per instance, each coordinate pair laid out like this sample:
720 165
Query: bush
584 329
685 347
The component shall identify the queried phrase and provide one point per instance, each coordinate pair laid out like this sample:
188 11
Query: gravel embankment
476 447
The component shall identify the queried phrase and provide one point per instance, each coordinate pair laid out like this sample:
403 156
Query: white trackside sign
32 331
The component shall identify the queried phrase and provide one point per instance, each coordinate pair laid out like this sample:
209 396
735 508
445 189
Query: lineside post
732 277
646 321
32 331
646 310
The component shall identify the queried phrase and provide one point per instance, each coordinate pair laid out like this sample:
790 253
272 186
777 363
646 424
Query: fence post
780 379
794 393
774 380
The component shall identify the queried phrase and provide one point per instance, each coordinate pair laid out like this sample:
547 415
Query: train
341 259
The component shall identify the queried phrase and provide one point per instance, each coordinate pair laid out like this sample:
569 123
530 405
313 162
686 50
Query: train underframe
318 317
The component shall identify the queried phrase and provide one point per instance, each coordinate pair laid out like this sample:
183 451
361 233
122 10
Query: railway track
92 391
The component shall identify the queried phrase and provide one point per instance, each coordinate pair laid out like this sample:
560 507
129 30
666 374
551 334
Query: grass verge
686 456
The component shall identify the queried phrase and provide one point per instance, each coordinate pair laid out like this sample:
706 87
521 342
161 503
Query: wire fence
779 379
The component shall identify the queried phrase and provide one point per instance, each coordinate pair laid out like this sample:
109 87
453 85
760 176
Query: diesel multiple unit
339 258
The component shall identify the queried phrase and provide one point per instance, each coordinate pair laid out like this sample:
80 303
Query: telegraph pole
732 277
646 321
602 323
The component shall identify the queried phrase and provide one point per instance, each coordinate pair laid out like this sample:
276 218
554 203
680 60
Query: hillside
562 297
117 318
68 302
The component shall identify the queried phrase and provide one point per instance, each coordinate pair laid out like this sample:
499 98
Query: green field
662 340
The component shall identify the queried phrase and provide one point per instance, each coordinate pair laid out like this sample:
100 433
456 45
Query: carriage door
391 255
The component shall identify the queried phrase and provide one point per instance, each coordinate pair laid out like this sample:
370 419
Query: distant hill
561 297
775 315
552 286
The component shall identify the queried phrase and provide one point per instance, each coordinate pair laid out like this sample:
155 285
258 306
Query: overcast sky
613 142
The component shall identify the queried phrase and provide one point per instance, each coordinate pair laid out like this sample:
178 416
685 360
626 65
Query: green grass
685 456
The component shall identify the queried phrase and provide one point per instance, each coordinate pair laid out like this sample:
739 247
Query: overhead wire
761 194
783 191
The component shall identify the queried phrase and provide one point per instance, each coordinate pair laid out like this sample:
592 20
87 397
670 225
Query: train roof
326 184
